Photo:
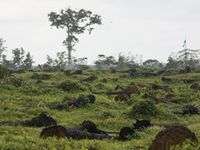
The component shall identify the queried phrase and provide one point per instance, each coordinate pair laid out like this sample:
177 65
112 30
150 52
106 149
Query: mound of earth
171 137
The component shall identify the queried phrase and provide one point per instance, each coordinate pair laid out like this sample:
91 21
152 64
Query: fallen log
39 121
62 132
168 125
127 91
80 101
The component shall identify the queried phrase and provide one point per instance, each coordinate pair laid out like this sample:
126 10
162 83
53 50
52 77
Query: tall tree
126 61
75 22
28 61
18 56
105 61
61 60
80 63
50 62
152 63
188 56
2 48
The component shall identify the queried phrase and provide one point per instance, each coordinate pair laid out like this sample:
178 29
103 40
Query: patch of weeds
144 109
71 86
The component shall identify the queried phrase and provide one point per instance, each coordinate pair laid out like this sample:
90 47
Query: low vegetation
23 98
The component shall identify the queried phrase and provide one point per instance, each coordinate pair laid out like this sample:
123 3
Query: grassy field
23 96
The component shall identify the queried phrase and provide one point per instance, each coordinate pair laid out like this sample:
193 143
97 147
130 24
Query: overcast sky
152 28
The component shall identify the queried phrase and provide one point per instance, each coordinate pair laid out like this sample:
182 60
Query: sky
151 28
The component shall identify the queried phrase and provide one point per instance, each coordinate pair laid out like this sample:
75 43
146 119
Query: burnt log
166 79
195 86
125 133
90 127
40 121
165 88
61 132
126 91
188 81
141 124
80 101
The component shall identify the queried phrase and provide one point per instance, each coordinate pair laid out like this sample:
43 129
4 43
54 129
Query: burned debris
74 102
86 130
39 121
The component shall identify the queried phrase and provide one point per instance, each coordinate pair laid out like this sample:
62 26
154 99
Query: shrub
82 99
71 86
144 109
67 72
3 72
16 81
41 76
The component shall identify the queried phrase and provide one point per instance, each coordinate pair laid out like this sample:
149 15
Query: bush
3 72
143 110
71 86
41 76
16 81
82 99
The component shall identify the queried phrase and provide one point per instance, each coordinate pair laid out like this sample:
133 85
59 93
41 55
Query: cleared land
26 95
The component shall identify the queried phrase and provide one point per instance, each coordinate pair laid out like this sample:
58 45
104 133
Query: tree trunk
69 57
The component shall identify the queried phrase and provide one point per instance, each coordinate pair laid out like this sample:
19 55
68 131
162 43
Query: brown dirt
171 137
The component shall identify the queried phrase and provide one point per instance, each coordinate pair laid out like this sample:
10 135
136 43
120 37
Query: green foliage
2 48
144 109
83 98
28 62
152 63
41 76
75 22
3 72
26 101
18 56
71 86
16 81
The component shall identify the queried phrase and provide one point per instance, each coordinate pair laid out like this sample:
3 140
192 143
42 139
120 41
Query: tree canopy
75 22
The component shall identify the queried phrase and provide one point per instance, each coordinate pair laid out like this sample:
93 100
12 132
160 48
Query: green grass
32 98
